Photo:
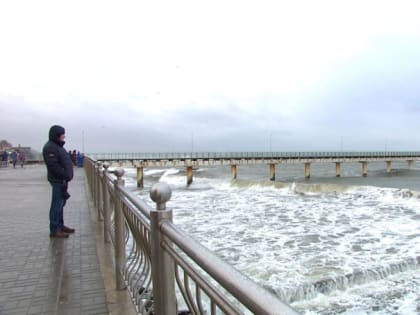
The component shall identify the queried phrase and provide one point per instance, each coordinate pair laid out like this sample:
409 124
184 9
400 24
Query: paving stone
35 309
40 275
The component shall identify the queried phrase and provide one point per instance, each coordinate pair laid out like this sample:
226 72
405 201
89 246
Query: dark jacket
14 156
56 158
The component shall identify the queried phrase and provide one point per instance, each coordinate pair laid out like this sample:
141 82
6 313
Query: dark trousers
57 205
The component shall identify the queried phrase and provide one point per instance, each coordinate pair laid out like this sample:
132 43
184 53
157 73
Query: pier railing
165 270
252 155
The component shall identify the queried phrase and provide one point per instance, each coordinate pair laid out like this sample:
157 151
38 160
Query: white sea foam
150 172
287 235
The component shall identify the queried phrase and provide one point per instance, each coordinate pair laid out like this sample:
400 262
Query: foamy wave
171 171
173 181
294 188
325 286
173 177
151 172
179 182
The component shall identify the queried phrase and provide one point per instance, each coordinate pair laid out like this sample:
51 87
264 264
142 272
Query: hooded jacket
56 158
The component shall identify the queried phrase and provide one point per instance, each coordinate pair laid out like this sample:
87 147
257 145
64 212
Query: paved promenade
39 275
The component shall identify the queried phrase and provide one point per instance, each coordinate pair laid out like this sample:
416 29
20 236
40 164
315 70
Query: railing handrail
136 201
240 286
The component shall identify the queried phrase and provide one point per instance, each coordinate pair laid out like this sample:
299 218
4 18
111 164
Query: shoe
67 229
59 234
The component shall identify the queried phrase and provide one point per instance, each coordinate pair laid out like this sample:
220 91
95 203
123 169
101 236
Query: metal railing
165 270
252 155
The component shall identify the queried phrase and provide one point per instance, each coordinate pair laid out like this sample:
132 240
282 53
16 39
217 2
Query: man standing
60 172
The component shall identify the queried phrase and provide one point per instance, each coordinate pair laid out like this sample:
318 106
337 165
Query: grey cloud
369 101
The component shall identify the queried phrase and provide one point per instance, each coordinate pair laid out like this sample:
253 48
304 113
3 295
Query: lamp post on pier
271 140
83 141
192 142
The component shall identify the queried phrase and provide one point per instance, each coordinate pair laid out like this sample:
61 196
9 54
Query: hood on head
55 132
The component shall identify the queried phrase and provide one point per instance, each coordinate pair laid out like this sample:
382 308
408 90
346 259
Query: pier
272 159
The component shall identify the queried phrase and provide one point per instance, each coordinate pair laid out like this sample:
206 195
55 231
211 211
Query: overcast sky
211 75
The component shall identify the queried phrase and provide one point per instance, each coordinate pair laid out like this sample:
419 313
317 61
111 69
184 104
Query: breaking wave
309 290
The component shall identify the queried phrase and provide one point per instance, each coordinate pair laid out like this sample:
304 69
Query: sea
325 245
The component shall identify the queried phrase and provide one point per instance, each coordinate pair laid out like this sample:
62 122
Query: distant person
21 158
60 173
80 159
74 157
71 155
4 159
14 157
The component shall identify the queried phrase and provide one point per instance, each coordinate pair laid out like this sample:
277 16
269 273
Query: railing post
92 176
86 166
89 170
106 203
93 172
119 231
98 189
163 268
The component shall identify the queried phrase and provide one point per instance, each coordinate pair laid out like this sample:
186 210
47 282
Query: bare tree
4 144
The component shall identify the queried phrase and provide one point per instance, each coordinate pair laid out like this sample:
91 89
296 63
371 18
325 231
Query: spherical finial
160 193
119 172
99 163
106 165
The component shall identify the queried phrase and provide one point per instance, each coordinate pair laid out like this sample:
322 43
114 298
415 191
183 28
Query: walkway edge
118 302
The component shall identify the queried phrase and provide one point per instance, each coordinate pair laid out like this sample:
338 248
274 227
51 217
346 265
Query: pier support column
189 175
364 169
307 170
140 176
337 169
388 166
234 171
410 164
272 172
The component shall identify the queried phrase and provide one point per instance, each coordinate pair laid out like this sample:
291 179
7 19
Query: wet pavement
40 275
